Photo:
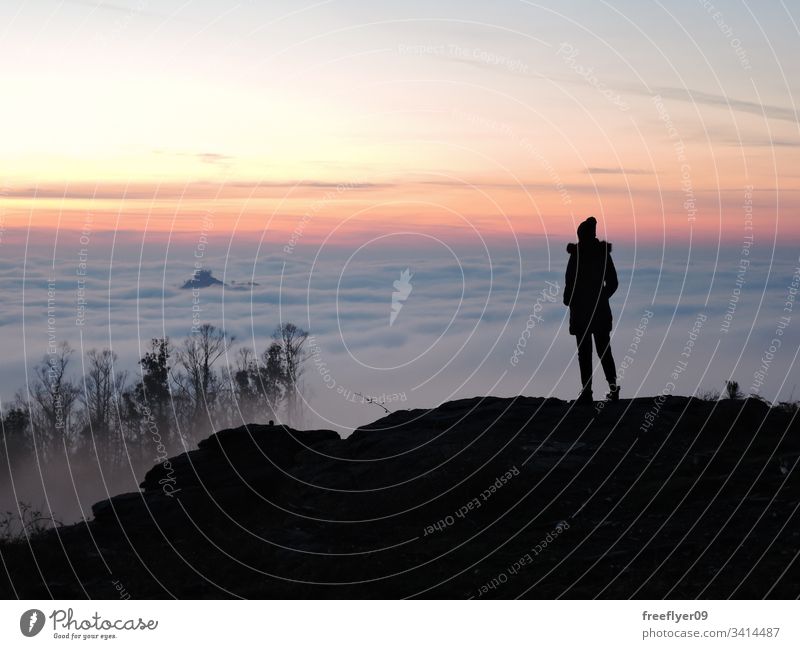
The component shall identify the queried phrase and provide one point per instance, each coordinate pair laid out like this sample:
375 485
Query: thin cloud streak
720 101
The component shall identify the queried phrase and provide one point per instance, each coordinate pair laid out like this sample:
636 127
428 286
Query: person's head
588 229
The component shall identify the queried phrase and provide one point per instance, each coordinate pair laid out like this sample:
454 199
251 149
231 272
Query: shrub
732 389
19 526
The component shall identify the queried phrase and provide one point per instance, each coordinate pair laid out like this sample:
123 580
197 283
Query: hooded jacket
590 280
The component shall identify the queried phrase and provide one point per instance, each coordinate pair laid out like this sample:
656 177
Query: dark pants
602 341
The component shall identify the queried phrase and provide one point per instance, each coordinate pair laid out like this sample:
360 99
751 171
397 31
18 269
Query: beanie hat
587 229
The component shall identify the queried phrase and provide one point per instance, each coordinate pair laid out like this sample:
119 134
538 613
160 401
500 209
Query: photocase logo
402 289
31 622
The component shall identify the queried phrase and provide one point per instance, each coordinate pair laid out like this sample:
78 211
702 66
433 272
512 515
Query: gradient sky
505 118
321 149
309 152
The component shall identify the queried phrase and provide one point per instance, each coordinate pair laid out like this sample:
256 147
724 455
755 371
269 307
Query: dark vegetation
86 427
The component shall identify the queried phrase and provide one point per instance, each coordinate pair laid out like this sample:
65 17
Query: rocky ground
484 497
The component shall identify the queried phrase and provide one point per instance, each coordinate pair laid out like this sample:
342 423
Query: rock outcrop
484 497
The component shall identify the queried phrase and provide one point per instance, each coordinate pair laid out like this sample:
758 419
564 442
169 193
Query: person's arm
612 283
569 279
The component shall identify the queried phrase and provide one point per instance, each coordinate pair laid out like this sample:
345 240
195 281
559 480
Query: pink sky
444 119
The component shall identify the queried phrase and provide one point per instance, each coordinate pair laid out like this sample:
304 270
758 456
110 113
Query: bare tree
291 340
200 384
102 388
53 398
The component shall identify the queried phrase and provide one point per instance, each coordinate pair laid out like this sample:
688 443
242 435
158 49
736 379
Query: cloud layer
469 308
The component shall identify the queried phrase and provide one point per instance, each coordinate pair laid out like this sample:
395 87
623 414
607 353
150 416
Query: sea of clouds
475 318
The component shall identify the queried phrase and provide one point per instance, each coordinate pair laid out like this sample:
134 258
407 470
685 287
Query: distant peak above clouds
202 278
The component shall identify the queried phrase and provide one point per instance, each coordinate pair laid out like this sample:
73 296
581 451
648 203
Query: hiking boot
584 398
613 392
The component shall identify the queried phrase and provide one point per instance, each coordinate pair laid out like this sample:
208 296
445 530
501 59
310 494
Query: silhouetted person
591 279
